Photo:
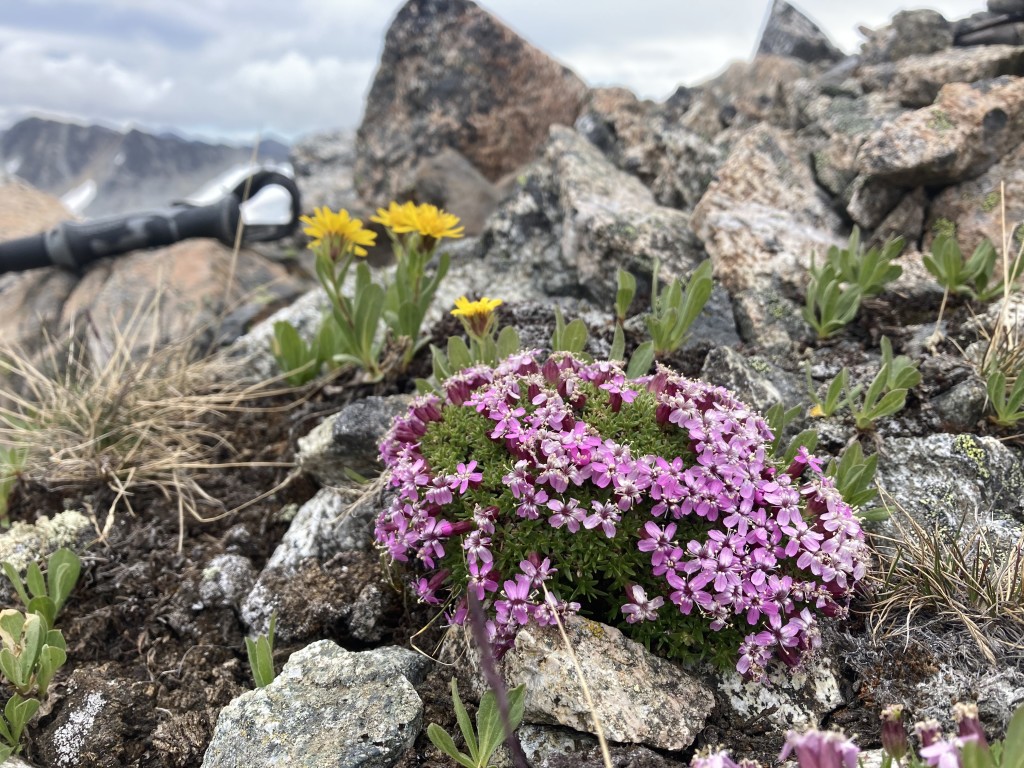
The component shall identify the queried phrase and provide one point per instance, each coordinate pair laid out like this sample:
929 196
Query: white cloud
234 66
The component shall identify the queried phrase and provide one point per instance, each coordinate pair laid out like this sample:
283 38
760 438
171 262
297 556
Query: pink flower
640 608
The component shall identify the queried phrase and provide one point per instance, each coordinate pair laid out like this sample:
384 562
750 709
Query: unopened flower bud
928 731
966 716
894 734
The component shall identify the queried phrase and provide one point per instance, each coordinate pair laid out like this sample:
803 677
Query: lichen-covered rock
347 441
955 482
638 697
968 129
763 216
451 75
974 207
792 699
25 543
916 80
575 219
789 33
327 707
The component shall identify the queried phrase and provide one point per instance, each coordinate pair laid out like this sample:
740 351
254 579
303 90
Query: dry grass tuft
948 577
129 421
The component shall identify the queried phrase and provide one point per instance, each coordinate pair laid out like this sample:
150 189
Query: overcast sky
232 68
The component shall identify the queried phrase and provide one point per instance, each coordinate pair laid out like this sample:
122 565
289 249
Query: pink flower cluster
777 549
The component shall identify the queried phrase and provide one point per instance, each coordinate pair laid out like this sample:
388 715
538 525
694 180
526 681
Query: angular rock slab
763 215
451 75
327 707
968 129
639 698
916 80
789 33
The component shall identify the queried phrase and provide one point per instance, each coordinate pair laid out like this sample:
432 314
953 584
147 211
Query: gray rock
226 581
916 80
910 32
449 181
969 128
575 218
906 220
955 482
327 707
763 215
962 406
1005 6
349 440
649 141
974 207
753 380
451 75
789 33
334 522
642 698
769 320
323 170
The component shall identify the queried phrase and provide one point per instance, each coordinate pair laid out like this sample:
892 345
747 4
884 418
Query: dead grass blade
957 577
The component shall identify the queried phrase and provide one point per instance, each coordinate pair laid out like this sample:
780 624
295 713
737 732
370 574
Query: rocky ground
771 162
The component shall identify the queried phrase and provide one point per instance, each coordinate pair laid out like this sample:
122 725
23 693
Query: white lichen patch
69 738
26 543
790 699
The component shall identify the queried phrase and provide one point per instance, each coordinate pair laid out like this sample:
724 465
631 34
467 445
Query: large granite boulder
763 216
451 75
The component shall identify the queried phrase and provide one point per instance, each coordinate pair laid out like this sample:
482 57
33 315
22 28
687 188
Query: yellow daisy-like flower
428 220
398 218
431 221
476 316
327 226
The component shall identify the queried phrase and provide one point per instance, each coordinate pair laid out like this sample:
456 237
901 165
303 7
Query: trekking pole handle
74 245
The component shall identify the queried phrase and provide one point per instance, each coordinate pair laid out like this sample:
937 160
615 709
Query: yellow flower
816 412
476 316
398 218
433 222
428 220
338 229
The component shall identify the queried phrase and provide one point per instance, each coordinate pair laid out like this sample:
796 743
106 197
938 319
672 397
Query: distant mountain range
98 171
